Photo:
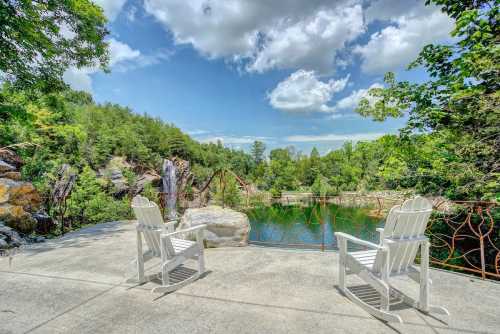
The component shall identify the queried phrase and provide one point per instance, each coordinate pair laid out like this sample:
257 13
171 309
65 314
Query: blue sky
285 72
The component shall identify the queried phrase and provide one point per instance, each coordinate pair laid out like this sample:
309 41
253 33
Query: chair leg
140 259
201 251
423 303
165 279
164 263
201 262
342 263
385 298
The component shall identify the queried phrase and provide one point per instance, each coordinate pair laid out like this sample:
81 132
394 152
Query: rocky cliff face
18 199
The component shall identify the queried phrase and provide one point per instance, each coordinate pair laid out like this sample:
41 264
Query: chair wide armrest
358 241
187 230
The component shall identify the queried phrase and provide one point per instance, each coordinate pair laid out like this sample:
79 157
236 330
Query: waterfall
170 187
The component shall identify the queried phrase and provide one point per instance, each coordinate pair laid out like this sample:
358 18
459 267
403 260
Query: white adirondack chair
162 242
394 255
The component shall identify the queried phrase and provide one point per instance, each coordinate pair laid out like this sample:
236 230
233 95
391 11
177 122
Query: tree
460 101
321 186
280 154
228 193
39 40
257 151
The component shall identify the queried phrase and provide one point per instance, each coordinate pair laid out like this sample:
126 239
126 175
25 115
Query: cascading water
170 187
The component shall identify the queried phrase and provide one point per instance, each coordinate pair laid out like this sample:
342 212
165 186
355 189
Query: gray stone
114 173
5 167
10 236
39 239
147 177
4 229
225 227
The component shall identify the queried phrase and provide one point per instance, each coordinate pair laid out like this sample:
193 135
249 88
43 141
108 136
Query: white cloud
263 34
302 91
196 132
78 79
260 35
397 45
233 140
111 7
383 10
122 58
311 43
350 102
121 52
334 137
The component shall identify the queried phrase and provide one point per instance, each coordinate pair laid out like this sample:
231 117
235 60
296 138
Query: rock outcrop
6 167
17 198
9 238
225 227
149 176
114 173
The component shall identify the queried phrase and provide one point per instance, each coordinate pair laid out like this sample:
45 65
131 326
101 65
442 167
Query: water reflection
311 226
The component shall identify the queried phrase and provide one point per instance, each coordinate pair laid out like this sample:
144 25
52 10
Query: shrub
90 204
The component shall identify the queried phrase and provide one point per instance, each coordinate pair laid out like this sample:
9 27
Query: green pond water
309 227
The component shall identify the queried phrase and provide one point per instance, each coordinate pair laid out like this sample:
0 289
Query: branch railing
467 238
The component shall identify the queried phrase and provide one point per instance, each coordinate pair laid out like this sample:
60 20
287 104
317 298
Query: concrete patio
76 284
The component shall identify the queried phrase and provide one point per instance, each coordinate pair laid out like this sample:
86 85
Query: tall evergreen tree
257 151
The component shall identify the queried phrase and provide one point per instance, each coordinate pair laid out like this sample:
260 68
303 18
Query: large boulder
44 223
9 238
225 227
19 193
16 217
17 200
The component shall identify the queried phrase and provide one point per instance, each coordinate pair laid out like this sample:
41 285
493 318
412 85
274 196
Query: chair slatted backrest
150 223
403 232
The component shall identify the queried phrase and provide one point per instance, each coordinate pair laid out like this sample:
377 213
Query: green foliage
68 127
281 172
89 204
151 193
460 102
257 151
227 192
41 39
449 147
322 187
